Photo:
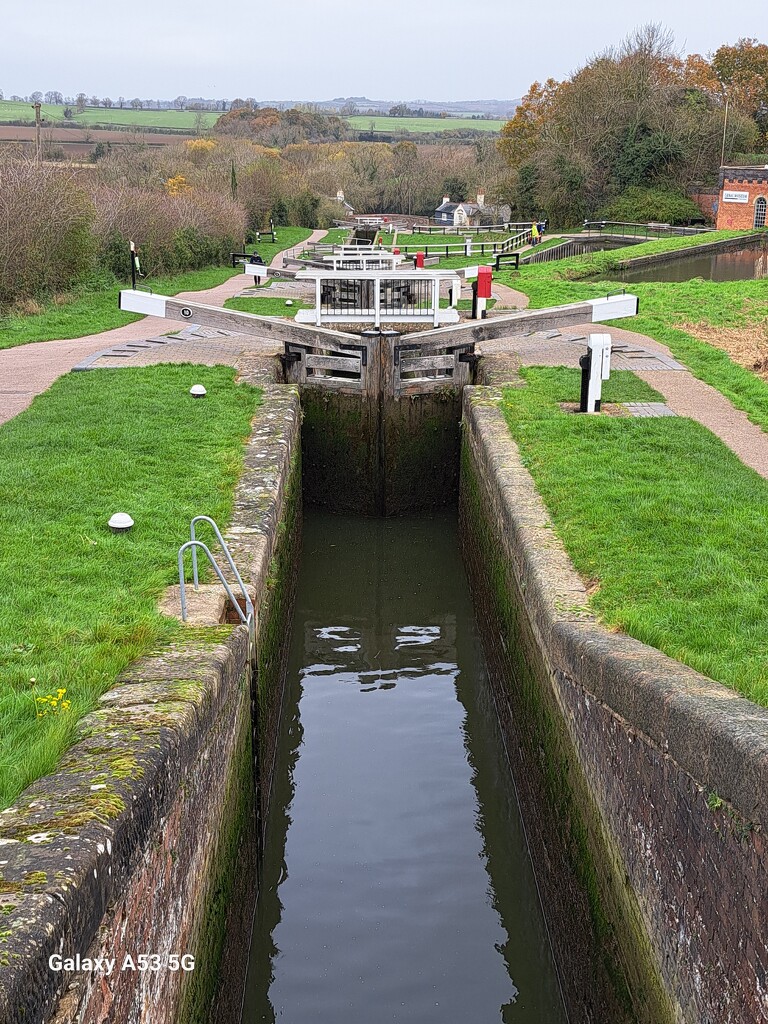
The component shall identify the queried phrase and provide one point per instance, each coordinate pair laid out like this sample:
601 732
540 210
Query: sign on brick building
743 198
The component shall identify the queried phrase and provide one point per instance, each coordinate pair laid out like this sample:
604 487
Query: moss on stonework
616 926
231 859
32 881
272 639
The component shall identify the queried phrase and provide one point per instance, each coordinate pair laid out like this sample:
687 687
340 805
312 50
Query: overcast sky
318 49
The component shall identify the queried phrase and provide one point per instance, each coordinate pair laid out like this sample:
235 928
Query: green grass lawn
335 236
664 306
363 122
179 119
94 310
267 305
439 242
466 304
78 603
287 238
658 514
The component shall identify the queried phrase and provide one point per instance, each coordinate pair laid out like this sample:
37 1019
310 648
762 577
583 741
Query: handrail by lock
247 617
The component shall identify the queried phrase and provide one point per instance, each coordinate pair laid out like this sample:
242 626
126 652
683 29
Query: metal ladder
247 617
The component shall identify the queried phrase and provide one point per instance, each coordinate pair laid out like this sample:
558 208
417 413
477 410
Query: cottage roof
452 207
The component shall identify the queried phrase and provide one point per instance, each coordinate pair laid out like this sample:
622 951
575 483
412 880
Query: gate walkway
28 370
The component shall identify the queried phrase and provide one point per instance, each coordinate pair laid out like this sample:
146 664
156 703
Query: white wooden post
436 300
376 302
600 368
317 301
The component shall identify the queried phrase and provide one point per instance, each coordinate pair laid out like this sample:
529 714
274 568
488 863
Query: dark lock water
397 885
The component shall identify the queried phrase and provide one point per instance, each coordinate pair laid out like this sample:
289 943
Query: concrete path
316 236
508 297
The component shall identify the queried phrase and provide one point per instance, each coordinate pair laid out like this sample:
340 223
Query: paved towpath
28 370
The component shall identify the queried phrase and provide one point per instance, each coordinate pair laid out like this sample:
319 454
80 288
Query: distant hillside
376 123
498 109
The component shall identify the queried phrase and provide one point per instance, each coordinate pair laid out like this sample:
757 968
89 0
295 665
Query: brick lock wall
641 781
740 216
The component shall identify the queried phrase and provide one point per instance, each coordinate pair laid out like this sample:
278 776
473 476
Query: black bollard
585 362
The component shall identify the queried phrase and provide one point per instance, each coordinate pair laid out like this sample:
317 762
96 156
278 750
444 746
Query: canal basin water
740 265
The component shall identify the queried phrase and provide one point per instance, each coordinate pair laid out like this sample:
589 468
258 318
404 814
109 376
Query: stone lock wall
143 842
643 783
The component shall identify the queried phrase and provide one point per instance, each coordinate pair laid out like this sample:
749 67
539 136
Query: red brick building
743 198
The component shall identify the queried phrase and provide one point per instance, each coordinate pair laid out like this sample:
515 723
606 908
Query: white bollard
599 346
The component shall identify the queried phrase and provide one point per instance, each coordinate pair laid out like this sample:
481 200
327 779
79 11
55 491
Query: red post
420 260
484 278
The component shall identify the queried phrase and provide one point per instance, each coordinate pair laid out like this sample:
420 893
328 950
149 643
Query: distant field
184 119
363 122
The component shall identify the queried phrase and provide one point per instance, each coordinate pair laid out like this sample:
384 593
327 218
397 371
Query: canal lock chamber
431 851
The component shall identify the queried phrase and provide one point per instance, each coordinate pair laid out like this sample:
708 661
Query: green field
363 123
179 119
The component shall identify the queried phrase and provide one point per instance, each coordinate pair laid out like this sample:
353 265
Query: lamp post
725 126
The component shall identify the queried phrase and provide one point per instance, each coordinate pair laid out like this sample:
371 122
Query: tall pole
37 132
725 126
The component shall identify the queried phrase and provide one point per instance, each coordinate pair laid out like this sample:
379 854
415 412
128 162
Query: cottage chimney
481 199
446 199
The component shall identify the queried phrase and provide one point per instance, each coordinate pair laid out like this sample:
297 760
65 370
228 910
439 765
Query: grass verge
287 238
94 309
78 603
264 305
663 307
665 524
91 311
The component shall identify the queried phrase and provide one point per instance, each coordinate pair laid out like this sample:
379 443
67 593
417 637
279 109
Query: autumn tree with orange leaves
637 118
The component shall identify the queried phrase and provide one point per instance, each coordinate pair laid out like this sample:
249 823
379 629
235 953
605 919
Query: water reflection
396 883
742 265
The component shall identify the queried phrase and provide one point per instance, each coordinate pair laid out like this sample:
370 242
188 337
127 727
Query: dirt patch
606 408
747 346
